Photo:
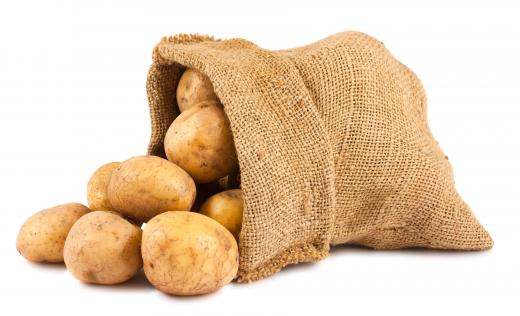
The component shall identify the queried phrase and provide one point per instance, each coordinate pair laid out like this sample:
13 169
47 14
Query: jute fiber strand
333 144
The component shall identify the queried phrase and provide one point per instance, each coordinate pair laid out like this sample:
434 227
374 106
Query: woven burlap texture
333 144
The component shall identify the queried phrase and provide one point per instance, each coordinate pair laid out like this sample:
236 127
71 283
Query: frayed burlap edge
308 252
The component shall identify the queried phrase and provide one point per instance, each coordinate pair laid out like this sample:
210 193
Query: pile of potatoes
178 218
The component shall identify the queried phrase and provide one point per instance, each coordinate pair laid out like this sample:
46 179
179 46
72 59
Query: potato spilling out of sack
103 248
193 88
200 142
145 186
97 188
226 208
42 236
187 253
334 148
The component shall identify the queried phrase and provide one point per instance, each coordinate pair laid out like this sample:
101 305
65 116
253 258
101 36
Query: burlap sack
333 143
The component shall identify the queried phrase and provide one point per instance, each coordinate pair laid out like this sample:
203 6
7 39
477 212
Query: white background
72 97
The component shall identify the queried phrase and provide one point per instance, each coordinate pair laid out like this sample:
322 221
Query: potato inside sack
145 186
97 187
200 141
42 237
186 253
103 248
194 87
226 208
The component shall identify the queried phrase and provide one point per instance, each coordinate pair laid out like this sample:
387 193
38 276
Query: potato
226 208
200 142
187 253
42 236
97 188
103 248
193 88
145 186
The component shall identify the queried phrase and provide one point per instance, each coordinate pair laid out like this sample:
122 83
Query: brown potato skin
103 248
187 253
97 187
145 186
200 142
193 88
226 208
42 237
